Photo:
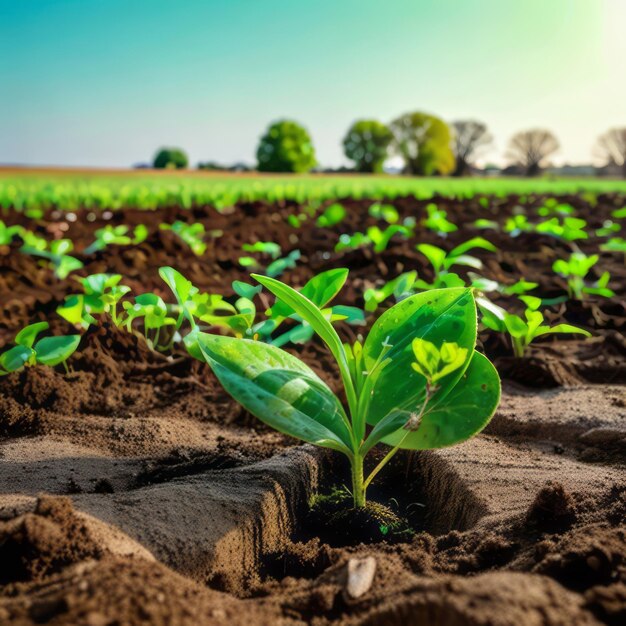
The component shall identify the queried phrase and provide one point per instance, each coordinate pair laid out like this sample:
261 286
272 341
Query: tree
285 147
531 148
423 141
367 144
170 158
612 148
469 137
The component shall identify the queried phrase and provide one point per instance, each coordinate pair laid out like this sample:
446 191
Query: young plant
416 380
374 236
570 229
522 332
192 234
29 351
101 294
518 224
57 254
400 287
116 235
332 215
442 261
615 244
437 221
575 271
386 212
8 233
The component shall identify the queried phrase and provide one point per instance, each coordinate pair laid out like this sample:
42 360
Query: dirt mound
36 545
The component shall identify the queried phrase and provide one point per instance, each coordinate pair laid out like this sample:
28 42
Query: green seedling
192 234
522 332
569 229
437 221
442 261
575 271
487 285
608 228
553 207
269 248
386 212
152 310
8 233
416 380
484 224
400 288
279 266
28 350
615 244
374 236
332 215
518 224
101 294
117 236
57 255
321 290
619 213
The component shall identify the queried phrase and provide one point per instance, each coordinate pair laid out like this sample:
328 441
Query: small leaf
54 350
26 337
15 358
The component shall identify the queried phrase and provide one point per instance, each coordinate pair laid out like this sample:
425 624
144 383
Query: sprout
416 380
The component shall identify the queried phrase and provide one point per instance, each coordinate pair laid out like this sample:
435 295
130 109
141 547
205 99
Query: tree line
426 144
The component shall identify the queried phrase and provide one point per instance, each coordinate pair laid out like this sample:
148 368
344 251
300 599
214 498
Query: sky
105 83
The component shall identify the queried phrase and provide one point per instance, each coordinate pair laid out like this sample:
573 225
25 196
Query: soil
135 491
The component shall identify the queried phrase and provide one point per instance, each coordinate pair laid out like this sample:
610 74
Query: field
134 488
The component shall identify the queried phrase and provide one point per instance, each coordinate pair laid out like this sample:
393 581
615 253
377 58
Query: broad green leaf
54 350
15 358
436 316
309 312
462 413
26 337
279 389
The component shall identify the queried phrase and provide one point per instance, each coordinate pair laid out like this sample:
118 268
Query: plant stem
429 392
358 488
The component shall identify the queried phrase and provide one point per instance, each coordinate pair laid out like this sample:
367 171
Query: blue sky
105 83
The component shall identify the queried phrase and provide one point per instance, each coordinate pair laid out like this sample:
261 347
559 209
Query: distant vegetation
426 144
170 158
33 193
286 147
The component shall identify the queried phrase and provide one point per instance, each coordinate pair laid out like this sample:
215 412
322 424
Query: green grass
150 190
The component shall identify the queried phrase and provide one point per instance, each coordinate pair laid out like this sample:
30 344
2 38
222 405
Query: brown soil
134 491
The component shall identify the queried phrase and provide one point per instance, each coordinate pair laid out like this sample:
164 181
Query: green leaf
54 350
435 255
463 413
279 389
309 312
565 328
26 337
72 309
436 316
246 291
182 288
320 290
15 358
